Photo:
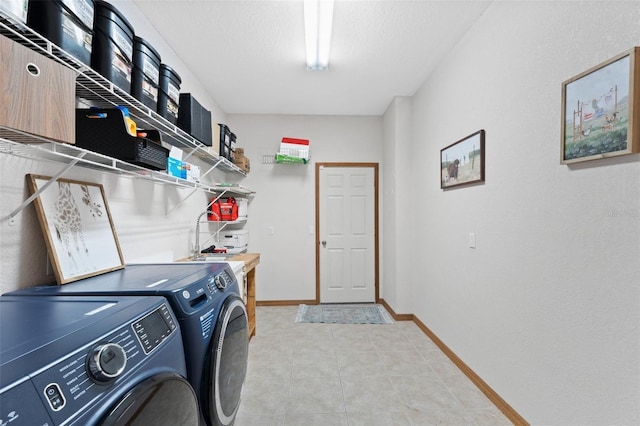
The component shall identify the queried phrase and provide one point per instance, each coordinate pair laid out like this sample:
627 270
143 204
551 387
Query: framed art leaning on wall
77 227
601 110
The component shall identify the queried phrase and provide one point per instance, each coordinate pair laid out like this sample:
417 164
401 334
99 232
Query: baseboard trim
396 317
285 302
493 396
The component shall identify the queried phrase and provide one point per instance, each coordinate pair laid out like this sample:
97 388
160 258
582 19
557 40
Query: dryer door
162 400
227 363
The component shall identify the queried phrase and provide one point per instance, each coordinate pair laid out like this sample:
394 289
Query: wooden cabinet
251 260
37 94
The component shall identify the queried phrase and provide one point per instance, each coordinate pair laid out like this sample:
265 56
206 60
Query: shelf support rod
193 151
211 168
33 196
193 191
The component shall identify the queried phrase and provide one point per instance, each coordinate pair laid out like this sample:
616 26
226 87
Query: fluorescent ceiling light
318 19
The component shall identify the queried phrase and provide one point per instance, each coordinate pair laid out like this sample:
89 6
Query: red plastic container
224 209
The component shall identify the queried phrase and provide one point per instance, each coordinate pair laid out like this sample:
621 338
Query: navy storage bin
112 54
66 23
145 77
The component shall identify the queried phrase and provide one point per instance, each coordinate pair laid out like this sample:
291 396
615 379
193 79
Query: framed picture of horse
77 226
601 110
462 162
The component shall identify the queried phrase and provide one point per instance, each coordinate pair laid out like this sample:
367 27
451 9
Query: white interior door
347 234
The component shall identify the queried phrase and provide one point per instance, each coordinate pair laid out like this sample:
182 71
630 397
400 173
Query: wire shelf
96 90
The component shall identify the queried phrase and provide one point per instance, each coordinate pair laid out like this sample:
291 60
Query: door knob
324 244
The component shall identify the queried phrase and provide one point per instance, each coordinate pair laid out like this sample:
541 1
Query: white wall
398 208
546 308
154 222
285 198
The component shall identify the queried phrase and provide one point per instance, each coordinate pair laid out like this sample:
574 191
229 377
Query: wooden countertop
251 260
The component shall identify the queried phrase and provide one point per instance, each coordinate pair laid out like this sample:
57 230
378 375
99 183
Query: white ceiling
250 55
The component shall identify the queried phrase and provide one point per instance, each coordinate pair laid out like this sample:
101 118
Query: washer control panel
72 384
153 329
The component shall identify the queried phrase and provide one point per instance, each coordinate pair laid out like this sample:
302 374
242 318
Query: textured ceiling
250 54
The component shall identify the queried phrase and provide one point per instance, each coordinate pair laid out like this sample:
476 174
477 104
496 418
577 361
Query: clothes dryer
92 361
212 317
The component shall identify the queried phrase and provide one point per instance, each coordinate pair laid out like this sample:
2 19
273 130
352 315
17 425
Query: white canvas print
78 229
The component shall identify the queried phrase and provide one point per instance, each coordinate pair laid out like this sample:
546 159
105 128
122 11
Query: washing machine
212 317
92 360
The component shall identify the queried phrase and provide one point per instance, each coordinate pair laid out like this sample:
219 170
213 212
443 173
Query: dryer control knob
221 282
106 362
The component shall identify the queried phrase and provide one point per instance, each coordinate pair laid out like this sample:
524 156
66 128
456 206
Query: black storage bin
103 131
225 141
112 54
194 119
145 76
169 93
232 144
66 23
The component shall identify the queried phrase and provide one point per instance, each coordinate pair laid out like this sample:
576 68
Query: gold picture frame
601 110
77 227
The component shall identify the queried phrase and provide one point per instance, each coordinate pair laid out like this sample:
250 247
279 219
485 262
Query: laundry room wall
399 214
154 222
545 309
285 194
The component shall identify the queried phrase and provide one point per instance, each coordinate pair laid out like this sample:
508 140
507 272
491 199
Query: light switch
472 240
270 230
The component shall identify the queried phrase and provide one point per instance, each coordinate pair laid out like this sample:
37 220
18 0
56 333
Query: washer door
227 363
165 399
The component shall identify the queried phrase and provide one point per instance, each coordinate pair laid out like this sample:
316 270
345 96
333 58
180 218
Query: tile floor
349 375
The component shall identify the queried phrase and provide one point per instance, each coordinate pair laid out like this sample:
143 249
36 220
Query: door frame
376 243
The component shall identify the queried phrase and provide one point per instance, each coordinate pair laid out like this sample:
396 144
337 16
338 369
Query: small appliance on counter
235 241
